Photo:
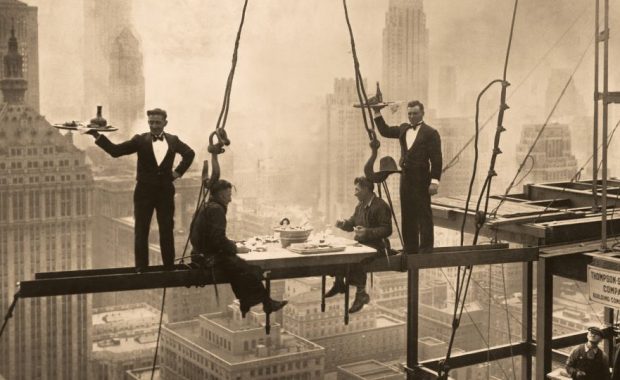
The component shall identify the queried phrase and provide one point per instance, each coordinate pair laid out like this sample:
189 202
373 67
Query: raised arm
384 129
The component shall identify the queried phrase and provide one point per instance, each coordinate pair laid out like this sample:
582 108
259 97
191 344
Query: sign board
604 286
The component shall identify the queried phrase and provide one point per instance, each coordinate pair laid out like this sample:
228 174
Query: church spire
13 84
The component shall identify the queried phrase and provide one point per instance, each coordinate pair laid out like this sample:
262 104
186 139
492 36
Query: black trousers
416 214
357 276
146 199
245 280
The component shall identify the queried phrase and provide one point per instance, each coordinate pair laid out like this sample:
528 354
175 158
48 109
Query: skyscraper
405 51
113 68
45 225
126 81
18 16
552 157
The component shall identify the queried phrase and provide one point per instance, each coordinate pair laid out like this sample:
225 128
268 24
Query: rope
9 313
359 82
219 126
542 129
461 292
161 319
456 157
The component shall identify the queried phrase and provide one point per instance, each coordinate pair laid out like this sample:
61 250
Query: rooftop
143 374
288 344
126 345
137 312
371 370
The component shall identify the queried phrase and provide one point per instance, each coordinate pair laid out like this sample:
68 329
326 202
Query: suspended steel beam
124 279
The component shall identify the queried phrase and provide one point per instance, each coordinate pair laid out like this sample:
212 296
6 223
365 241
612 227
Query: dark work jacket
376 217
208 233
595 369
423 160
148 171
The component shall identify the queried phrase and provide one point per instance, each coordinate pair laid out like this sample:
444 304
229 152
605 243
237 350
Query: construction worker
588 361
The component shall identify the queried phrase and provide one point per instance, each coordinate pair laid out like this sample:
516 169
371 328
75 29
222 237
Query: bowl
292 235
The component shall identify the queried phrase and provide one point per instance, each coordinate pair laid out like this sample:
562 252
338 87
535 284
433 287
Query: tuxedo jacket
148 171
423 159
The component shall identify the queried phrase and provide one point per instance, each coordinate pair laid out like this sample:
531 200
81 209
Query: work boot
361 299
272 305
337 288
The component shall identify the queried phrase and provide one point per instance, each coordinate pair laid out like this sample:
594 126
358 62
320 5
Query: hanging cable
161 320
456 157
463 285
540 132
215 148
9 313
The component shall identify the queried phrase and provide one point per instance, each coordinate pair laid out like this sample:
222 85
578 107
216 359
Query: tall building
126 82
45 225
19 18
226 346
405 51
370 334
113 67
346 151
552 157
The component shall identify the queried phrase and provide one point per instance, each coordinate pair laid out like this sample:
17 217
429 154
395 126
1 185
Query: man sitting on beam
371 223
210 246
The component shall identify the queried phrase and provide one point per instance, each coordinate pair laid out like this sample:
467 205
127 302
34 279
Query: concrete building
553 158
126 82
370 334
46 222
346 151
124 320
369 370
103 21
112 358
226 346
143 374
405 52
21 18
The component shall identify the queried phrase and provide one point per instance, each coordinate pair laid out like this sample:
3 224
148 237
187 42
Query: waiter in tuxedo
421 171
154 188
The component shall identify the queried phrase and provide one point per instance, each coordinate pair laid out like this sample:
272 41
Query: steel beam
544 323
481 356
413 276
527 313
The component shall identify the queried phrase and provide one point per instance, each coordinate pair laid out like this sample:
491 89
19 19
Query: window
33 204
18 206
50 203
65 202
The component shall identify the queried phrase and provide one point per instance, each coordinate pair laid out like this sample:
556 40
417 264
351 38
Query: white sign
604 286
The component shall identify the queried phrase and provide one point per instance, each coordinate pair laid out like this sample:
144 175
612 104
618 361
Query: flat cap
595 330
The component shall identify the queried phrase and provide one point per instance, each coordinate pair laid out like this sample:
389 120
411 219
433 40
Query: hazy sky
291 51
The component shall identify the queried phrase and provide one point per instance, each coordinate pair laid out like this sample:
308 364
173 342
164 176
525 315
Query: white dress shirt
411 134
160 148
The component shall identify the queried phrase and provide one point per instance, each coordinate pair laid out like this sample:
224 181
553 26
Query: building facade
552 157
46 193
23 20
405 51
226 346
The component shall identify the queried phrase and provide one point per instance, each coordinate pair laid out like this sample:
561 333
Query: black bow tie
160 137
414 126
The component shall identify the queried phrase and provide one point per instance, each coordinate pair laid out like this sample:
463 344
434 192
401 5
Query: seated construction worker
371 223
588 361
210 246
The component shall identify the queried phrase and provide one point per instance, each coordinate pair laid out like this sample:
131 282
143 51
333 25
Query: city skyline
64 205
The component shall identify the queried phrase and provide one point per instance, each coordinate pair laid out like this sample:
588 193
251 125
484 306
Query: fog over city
291 51
321 273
